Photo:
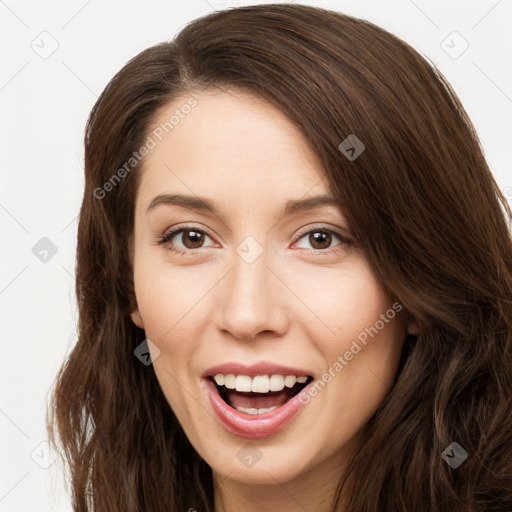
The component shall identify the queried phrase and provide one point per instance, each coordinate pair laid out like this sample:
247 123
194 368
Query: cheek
369 330
168 302
362 346
344 301
167 298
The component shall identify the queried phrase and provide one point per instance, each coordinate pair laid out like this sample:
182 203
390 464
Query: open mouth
259 394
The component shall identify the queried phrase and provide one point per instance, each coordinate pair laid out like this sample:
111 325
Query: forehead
230 143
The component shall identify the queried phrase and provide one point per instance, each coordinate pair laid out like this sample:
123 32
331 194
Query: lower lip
254 426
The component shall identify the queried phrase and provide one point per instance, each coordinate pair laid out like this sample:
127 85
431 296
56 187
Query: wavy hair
421 202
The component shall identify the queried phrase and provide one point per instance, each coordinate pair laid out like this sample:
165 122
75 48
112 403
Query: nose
252 300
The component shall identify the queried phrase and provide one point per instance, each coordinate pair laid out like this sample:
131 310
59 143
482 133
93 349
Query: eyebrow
291 207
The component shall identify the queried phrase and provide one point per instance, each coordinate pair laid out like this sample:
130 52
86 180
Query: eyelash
166 237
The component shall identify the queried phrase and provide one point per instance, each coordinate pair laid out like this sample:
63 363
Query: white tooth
262 411
253 411
250 410
243 383
276 382
229 381
302 379
219 379
289 381
260 384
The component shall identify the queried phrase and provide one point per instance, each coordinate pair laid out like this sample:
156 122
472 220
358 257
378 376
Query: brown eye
183 239
192 239
320 239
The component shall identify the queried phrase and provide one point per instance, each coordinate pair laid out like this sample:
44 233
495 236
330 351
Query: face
272 340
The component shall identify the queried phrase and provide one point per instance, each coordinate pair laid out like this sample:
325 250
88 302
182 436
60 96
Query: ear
133 305
412 328
137 318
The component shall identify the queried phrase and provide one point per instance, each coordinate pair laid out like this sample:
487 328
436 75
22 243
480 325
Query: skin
297 303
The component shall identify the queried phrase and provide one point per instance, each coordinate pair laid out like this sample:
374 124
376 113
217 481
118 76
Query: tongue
258 400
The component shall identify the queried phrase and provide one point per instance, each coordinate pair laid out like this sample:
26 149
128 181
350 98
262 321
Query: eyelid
321 227
175 230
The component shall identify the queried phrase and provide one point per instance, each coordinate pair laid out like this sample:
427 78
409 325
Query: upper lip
261 368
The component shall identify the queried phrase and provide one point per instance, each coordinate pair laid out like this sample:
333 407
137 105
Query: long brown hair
421 202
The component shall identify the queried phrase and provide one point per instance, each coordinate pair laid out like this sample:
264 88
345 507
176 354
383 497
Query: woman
288 213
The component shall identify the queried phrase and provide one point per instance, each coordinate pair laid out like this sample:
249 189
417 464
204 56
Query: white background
44 106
